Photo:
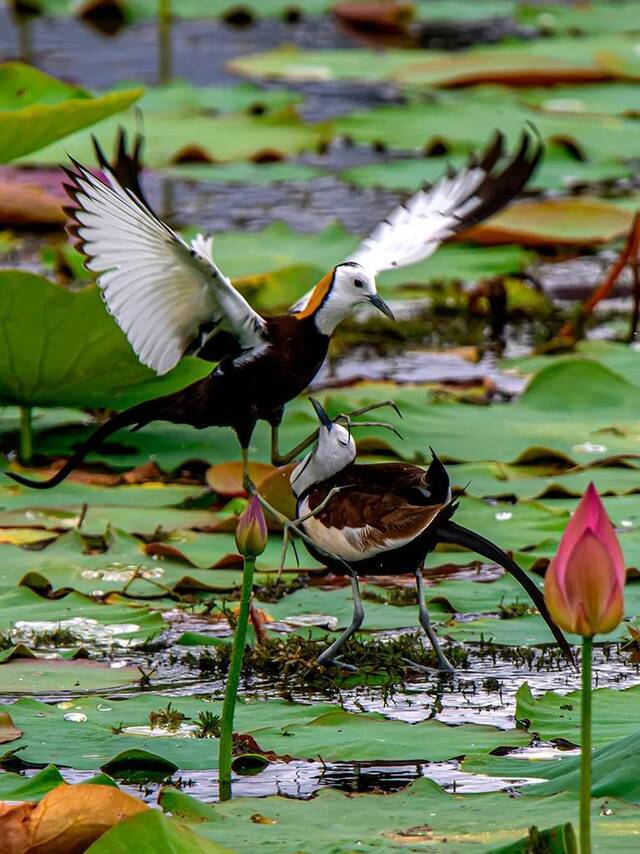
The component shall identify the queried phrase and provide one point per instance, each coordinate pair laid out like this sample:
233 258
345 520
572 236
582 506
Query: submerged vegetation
289 130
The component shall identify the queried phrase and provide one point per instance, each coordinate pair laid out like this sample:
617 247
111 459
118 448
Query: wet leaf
368 821
614 771
555 715
35 675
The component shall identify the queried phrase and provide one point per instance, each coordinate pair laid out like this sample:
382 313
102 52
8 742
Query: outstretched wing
165 294
416 228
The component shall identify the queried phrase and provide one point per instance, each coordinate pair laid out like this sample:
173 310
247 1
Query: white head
339 292
334 451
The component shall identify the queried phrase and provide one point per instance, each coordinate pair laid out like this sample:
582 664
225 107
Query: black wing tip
437 477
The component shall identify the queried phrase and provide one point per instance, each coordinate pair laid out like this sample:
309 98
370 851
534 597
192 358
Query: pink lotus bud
251 530
584 582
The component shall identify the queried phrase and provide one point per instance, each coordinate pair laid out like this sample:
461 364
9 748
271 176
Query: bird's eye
358 283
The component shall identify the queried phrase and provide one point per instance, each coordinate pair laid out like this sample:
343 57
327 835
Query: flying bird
384 519
170 297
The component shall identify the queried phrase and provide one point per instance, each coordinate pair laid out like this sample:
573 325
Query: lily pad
614 771
421 814
341 736
36 109
42 676
61 348
555 715
151 831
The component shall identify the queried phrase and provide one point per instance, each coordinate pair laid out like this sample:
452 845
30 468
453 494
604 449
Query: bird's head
334 451
334 298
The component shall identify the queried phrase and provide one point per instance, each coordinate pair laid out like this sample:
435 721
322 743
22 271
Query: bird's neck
326 306
314 469
332 312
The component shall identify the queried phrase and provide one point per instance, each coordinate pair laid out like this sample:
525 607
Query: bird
170 298
384 519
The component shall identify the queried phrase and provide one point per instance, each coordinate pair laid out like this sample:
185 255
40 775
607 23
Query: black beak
322 415
381 305
449 532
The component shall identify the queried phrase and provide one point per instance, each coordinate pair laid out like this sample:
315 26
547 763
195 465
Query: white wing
162 291
416 228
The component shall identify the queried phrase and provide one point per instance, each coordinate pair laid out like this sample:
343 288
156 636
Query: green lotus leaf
153 832
419 816
36 109
62 348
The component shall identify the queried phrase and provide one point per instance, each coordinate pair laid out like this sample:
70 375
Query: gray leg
425 622
328 656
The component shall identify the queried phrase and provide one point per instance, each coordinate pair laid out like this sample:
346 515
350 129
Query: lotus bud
583 587
251 530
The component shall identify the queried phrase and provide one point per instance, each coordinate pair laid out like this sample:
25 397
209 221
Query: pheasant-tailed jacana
384 519
170 297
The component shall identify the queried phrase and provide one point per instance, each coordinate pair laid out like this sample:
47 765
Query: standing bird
384 519
170 298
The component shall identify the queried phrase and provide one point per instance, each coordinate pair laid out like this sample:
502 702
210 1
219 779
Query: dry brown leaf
226 478
26 204
384 16
276 488
66 821
579 221
8 730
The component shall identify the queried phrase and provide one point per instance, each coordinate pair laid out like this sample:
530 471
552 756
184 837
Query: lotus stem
233 678
164 41
585 749
26 434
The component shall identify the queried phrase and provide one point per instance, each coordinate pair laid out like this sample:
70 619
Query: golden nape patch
319 293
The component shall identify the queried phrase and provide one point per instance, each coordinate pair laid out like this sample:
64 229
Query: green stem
585 749
26 435
164 41
233 679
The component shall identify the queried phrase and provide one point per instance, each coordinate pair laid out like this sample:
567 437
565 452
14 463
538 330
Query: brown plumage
385 519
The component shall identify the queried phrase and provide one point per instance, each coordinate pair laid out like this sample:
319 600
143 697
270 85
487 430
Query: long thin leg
329 655
363 409
278 459
247 484
425 622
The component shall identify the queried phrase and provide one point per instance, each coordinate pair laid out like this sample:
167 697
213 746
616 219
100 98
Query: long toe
337 662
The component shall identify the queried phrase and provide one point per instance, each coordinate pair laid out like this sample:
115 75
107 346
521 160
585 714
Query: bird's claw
444 667
337 662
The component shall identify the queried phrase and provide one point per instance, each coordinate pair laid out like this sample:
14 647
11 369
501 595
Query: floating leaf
153 832
555 715
580 221
62 348
36 109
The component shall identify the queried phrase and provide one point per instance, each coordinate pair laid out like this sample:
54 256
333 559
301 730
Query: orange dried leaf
226 478
276 489
25 204
8 730
66 821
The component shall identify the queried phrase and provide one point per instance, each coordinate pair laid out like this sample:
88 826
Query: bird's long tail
450 532
136 416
